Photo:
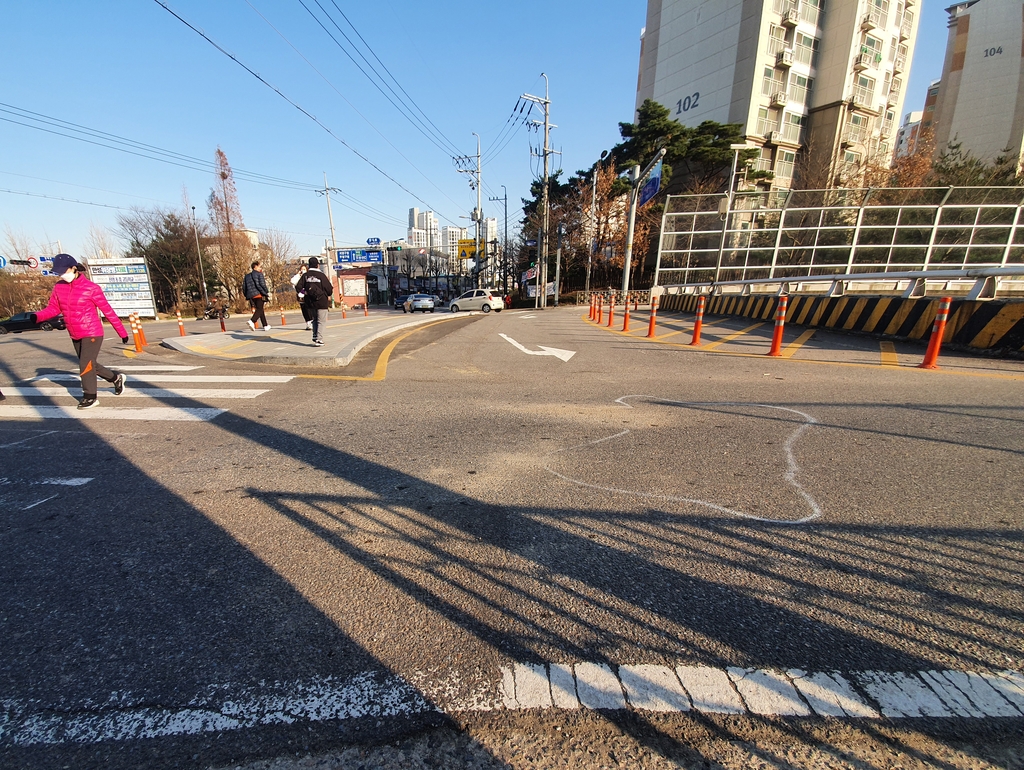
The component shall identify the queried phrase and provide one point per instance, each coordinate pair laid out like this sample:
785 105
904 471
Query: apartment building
423 230
450 237
908 134
821 78
980 101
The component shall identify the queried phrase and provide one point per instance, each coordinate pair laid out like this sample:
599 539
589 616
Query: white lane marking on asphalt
154 368
653 688
563 687
977 688
950 695
136 392
67 482
598 687
901 694
1009 684
710 689
30 438
166 413
564 355
532 688
768 692
830 695
265 379
792 468
40 502
649 687
322 699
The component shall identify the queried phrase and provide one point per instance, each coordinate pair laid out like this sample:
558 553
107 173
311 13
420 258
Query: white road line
902 695
520 686
135 392
154 368
68 482
39 502
162 413
259 379
597 687
710 690
830 695
30 438
653 688
768 692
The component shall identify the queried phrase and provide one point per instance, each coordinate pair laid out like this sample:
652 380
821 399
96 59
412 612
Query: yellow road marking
888 354
730 337
798 343
380 370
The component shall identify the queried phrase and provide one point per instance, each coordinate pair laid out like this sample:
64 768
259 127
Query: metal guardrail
817 233
984 282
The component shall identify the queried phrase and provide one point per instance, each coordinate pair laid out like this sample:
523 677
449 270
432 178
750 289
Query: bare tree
99 243
277 251
21 289
234 249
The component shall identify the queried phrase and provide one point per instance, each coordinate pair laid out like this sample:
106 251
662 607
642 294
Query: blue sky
131 69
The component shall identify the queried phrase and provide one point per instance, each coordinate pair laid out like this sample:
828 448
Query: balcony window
810 11
773 82
799 89
776 40
805 50
792 127
766 122
785 162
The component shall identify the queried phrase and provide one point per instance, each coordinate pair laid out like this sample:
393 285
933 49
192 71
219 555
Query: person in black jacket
255 289
315 289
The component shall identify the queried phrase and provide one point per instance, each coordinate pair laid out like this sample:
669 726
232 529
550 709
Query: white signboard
125 281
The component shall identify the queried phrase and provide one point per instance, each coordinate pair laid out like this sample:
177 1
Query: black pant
88 349
257 303
306 315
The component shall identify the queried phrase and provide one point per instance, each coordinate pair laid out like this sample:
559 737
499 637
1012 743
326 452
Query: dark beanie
314 262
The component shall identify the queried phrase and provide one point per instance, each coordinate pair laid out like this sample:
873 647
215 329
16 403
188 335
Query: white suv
478 299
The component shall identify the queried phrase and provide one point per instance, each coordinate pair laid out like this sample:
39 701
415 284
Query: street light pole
202 272
593 215
736 148
504 251
479 213
635 175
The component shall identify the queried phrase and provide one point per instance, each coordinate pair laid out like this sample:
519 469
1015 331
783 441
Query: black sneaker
3 397
119 384
88 402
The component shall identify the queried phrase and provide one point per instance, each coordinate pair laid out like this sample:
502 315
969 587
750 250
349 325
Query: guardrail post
780 323
654 315
938 328
699 322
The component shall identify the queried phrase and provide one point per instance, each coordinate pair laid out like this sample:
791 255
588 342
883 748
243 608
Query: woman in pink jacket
78 299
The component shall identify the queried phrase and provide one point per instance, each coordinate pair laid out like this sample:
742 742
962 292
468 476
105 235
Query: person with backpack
315 289
78 299
255 289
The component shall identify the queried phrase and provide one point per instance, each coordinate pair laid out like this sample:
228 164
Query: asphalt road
353 570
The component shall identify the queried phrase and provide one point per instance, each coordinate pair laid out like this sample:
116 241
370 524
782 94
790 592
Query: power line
66 200
309 115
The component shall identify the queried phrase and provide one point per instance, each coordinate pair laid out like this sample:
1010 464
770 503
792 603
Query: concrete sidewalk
293 345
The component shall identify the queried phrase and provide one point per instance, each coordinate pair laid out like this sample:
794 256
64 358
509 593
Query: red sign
33 263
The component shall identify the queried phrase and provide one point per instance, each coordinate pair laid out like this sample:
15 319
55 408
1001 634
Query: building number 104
687 104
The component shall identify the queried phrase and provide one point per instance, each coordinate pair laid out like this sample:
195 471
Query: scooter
213 312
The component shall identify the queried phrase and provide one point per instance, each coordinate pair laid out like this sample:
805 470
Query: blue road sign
651 185
373 241
359 255
3 262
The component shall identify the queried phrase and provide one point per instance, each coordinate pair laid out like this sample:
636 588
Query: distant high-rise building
908 134
822 77
980 102
450 237
423 230
931 99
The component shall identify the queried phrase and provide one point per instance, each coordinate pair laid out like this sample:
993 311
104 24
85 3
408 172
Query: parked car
400 302
26 322
423 302
478 299
438 302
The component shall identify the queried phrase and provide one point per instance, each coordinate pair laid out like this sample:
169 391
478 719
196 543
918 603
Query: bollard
654 315
135 333
366 309
590 316
938 328
611 310
343 315
181 324
283 322
142 332
223 328
780 323
699 322
625 318
636 303
600 310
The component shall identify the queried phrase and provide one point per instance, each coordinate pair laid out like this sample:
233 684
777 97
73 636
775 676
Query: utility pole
593 215
461 162
202 272
504 250
542 269
636 177
558 261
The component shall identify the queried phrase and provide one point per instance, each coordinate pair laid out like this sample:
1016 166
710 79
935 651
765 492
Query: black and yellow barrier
994 325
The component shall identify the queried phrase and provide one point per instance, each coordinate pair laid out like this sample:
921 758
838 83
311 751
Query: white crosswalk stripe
144 382
524 686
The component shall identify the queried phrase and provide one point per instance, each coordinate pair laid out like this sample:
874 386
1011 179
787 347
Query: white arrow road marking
565 355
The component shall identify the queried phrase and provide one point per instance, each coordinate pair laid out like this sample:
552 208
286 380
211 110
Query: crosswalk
146 395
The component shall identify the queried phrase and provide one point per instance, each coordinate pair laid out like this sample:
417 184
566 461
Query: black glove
124 340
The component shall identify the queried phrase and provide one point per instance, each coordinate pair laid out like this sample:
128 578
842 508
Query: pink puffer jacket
79 301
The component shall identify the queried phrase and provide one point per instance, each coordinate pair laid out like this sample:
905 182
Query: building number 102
687 104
